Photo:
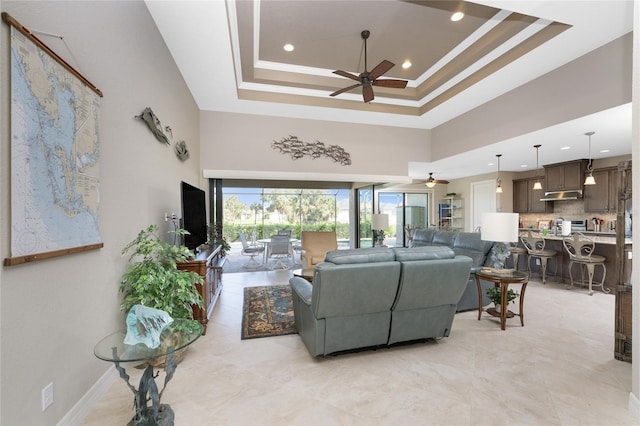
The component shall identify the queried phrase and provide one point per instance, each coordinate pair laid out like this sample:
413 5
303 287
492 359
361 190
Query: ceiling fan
431 182
367 79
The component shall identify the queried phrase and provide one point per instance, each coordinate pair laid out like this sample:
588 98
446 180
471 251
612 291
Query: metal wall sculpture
297 149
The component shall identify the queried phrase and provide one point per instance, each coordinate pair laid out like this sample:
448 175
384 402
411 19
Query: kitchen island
605 246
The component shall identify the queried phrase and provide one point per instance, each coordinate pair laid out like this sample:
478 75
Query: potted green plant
493 293
153 279
215 236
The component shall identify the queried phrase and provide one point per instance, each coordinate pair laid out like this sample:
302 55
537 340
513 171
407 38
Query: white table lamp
500 227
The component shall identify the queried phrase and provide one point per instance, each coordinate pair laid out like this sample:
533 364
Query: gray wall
53 312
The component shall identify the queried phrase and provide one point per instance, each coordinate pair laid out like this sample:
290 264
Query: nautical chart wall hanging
55 153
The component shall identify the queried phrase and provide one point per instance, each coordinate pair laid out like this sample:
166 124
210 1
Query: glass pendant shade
430 184
499 187
537 184
590 180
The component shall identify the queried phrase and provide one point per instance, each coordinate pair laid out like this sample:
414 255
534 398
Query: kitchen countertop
598 237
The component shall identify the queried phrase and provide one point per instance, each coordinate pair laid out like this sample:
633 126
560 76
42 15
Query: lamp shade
380 221
501 227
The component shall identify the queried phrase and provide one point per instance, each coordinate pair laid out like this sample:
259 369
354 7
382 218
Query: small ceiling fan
367 79
431 182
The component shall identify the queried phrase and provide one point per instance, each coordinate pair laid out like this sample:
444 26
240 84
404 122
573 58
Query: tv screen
194 215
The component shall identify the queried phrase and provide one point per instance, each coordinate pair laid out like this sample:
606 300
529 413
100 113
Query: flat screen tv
194 215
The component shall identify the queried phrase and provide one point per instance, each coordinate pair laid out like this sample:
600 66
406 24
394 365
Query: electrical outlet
47 396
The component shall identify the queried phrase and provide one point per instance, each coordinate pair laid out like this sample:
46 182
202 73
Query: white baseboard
79 411
634 407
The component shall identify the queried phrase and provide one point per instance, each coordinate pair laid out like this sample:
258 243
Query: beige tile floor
558 369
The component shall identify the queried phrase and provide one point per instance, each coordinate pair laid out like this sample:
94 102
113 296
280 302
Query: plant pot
498 307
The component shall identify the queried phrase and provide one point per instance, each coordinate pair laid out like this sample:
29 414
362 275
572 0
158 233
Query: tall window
404 209
266 210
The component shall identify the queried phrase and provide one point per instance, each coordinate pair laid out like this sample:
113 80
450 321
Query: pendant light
590 180
499 187
537 184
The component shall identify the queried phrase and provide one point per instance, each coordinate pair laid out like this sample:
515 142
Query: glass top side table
175 336
502 278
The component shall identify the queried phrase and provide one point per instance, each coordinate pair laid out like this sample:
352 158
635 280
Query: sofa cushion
444 238
469 244
361 255
497 256
422 237
423 253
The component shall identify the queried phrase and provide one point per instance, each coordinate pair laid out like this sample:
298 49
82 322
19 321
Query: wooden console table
208 264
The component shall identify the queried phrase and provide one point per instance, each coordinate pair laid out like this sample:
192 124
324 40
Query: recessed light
605 151
490 164
523 166
288 47
564 148
457 16
406 64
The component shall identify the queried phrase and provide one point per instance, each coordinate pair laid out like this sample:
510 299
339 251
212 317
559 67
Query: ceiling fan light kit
431 181
368 79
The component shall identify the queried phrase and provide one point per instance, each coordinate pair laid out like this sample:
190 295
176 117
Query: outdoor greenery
153 279
311 210
214 236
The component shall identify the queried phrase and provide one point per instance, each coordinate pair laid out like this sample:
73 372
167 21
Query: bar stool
534 244
580 249
515 253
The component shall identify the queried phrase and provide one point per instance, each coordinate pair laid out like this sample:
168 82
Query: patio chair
252 251
286 232
280 250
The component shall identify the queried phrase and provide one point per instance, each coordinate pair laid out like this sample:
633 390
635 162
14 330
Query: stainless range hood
562 195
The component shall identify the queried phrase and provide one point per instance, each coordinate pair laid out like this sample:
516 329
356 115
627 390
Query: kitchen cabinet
565 176
602 197
527 200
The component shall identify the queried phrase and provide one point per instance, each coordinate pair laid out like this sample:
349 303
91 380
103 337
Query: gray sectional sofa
483 253
375 297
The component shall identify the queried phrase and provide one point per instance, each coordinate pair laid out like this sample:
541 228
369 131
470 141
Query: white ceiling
206 41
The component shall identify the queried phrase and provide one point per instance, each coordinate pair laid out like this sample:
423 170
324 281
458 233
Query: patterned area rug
267 311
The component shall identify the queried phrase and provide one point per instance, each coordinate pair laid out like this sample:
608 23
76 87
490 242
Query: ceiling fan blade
367 93
346 89
387 82
380 69
445 182
347 74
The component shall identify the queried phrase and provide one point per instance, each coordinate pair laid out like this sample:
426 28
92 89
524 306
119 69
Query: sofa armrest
302 288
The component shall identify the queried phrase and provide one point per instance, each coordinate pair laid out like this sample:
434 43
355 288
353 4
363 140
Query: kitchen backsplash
568 210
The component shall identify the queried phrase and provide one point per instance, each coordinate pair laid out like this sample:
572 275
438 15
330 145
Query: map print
55 152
